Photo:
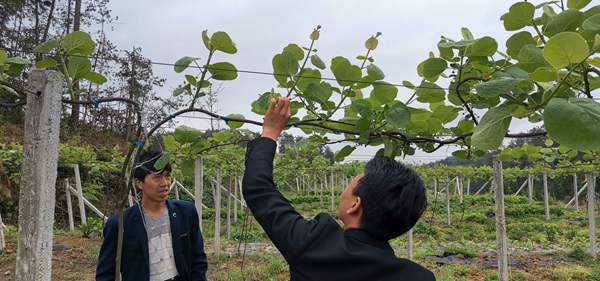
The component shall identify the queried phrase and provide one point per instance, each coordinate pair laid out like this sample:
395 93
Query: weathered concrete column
38 176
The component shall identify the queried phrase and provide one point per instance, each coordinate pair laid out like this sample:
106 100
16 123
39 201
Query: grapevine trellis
544 76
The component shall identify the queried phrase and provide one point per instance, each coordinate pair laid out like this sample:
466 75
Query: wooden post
410 244
176 192
530 187
79 194
501 240
459 187
468 186
448 214
229 209
198 187
217 199
235 204
591 205
38 176
546 199
130 198
332 193
2 239
321 192
69 205
575 191
242 200
297 184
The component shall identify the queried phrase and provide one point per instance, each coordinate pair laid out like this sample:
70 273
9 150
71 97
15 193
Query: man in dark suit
161 239
383 203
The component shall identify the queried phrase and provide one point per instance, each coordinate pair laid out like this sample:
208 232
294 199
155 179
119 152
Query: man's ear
137 183
356 207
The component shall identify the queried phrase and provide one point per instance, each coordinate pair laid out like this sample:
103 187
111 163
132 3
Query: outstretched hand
276 118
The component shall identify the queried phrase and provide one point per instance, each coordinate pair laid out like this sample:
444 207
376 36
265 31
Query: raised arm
288 230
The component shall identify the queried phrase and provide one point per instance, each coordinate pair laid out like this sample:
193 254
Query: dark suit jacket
188 246
317 249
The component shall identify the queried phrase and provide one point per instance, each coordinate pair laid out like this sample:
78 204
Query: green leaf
431 68
182 63
235 124
430 93
46 63
164 159
492 128
223 71
78 43
446 113
296 51
518 16
483 47
397 115
284 65
465 126
544 74
460 154
181 90
306 77
566 48
408 84
363 107
518 41
592 24
344 72
568 20
191 80
577 4
317 62
466 33
3 56
342 153
17 60
574 122
375 72
384 92
261 105
78 66
371 43
185 134
206 40
46 47
222 42
530 58
315 92
94 77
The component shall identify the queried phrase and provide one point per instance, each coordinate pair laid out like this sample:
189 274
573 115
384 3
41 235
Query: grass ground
464 250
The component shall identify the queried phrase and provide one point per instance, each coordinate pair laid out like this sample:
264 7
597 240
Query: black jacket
317 249
188 246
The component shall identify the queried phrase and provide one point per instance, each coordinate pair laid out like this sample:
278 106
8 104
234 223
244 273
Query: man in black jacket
161 238
383 203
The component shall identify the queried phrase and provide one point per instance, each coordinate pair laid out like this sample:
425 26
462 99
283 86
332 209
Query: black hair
393 198
145 164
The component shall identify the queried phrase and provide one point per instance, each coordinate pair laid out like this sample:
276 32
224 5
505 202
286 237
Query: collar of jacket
364 236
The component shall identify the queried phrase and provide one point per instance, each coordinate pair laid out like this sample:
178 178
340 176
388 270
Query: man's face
348 199
156 186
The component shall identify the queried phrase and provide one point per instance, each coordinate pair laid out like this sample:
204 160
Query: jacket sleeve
105 271
288 230
199 260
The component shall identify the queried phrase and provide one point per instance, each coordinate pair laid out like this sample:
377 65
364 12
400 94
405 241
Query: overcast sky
168 30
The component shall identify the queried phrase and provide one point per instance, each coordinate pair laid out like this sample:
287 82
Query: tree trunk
75 109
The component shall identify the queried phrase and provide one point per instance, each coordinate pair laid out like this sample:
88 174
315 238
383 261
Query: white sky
168 30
